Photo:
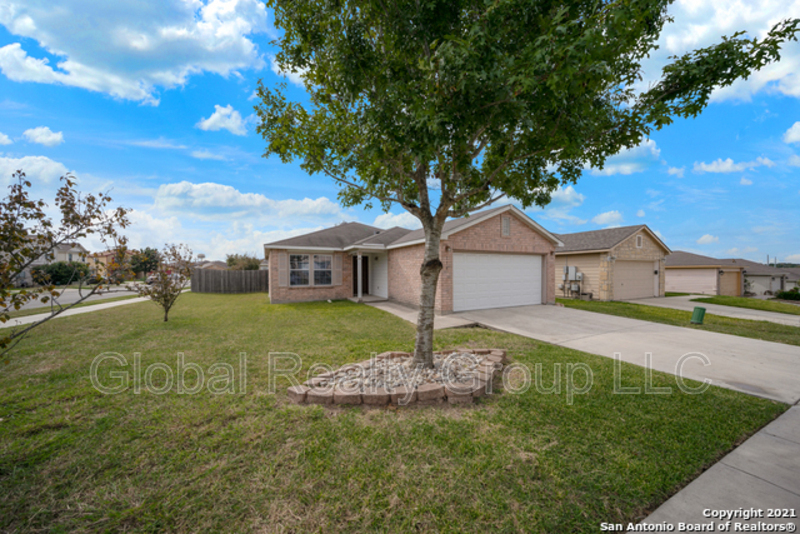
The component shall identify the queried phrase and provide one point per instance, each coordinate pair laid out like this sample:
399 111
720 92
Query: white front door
482 281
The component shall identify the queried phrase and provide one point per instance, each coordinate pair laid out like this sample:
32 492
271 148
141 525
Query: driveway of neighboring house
685 303
752 366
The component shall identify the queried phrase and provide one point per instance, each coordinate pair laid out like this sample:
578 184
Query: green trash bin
698 314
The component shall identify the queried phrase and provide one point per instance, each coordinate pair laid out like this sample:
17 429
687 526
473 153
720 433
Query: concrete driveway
686 304
756 367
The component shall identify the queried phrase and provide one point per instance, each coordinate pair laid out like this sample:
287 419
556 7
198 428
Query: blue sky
152 100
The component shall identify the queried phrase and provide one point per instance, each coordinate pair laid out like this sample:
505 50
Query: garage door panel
482 281
633 280
702 281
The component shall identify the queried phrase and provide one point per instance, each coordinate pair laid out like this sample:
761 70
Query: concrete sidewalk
762 473
410 314
686 304
75 311
760 368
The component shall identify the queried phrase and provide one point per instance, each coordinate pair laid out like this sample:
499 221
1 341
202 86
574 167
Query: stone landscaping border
425 395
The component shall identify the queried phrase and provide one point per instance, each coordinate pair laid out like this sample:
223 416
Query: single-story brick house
694 273
612 264
495 258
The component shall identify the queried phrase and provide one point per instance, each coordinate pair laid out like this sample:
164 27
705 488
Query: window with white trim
299 270
323 270
506 226
639 241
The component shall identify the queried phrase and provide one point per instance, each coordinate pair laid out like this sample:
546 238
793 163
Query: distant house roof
755 268
213 265
66 247
456 225
602 240
338 237
680 258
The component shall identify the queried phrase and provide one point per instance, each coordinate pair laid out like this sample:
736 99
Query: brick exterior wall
486 236
283 295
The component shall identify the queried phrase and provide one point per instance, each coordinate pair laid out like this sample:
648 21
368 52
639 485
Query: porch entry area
370 276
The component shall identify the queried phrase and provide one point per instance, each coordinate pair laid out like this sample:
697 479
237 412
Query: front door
364 274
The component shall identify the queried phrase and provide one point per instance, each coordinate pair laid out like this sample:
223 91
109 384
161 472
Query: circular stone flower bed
457 377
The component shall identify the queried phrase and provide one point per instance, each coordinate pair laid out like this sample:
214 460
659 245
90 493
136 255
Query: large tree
445 106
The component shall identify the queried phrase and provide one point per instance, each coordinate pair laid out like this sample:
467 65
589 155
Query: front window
70 257
299 270
323 269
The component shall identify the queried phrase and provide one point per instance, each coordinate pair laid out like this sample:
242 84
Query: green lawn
46 309
72 459
753 304
674 294
765 330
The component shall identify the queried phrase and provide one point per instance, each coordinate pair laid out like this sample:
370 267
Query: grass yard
765 330
73 459
674 294
753 304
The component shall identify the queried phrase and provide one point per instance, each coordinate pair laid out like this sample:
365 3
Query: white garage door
634 280
483 281
703 281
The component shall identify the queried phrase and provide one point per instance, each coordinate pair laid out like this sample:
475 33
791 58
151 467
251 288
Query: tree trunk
429 272
166 314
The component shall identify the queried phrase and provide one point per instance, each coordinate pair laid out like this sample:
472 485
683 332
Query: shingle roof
753 267
384 237
337 237
596 239
449 226
680 258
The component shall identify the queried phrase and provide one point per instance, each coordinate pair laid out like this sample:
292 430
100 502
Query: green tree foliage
145 261
60 273
242 262
445 106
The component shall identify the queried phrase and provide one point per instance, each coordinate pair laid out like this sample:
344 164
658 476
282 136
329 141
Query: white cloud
728 165
212 201
608 219
700 24
294 77
160 143
794 160
792 135
562 201
130 49
631 160
405 220
708 239
4 140
44 136
36 168
745 181
676 171
225 118
792 258
640 213
204 154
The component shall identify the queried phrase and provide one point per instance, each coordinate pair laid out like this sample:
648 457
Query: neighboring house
264 265
99 261
612 264
792 277
763 279
694 273
65 252
211 265
70 252
495 258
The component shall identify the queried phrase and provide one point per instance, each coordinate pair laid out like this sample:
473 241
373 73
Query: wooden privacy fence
204 281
